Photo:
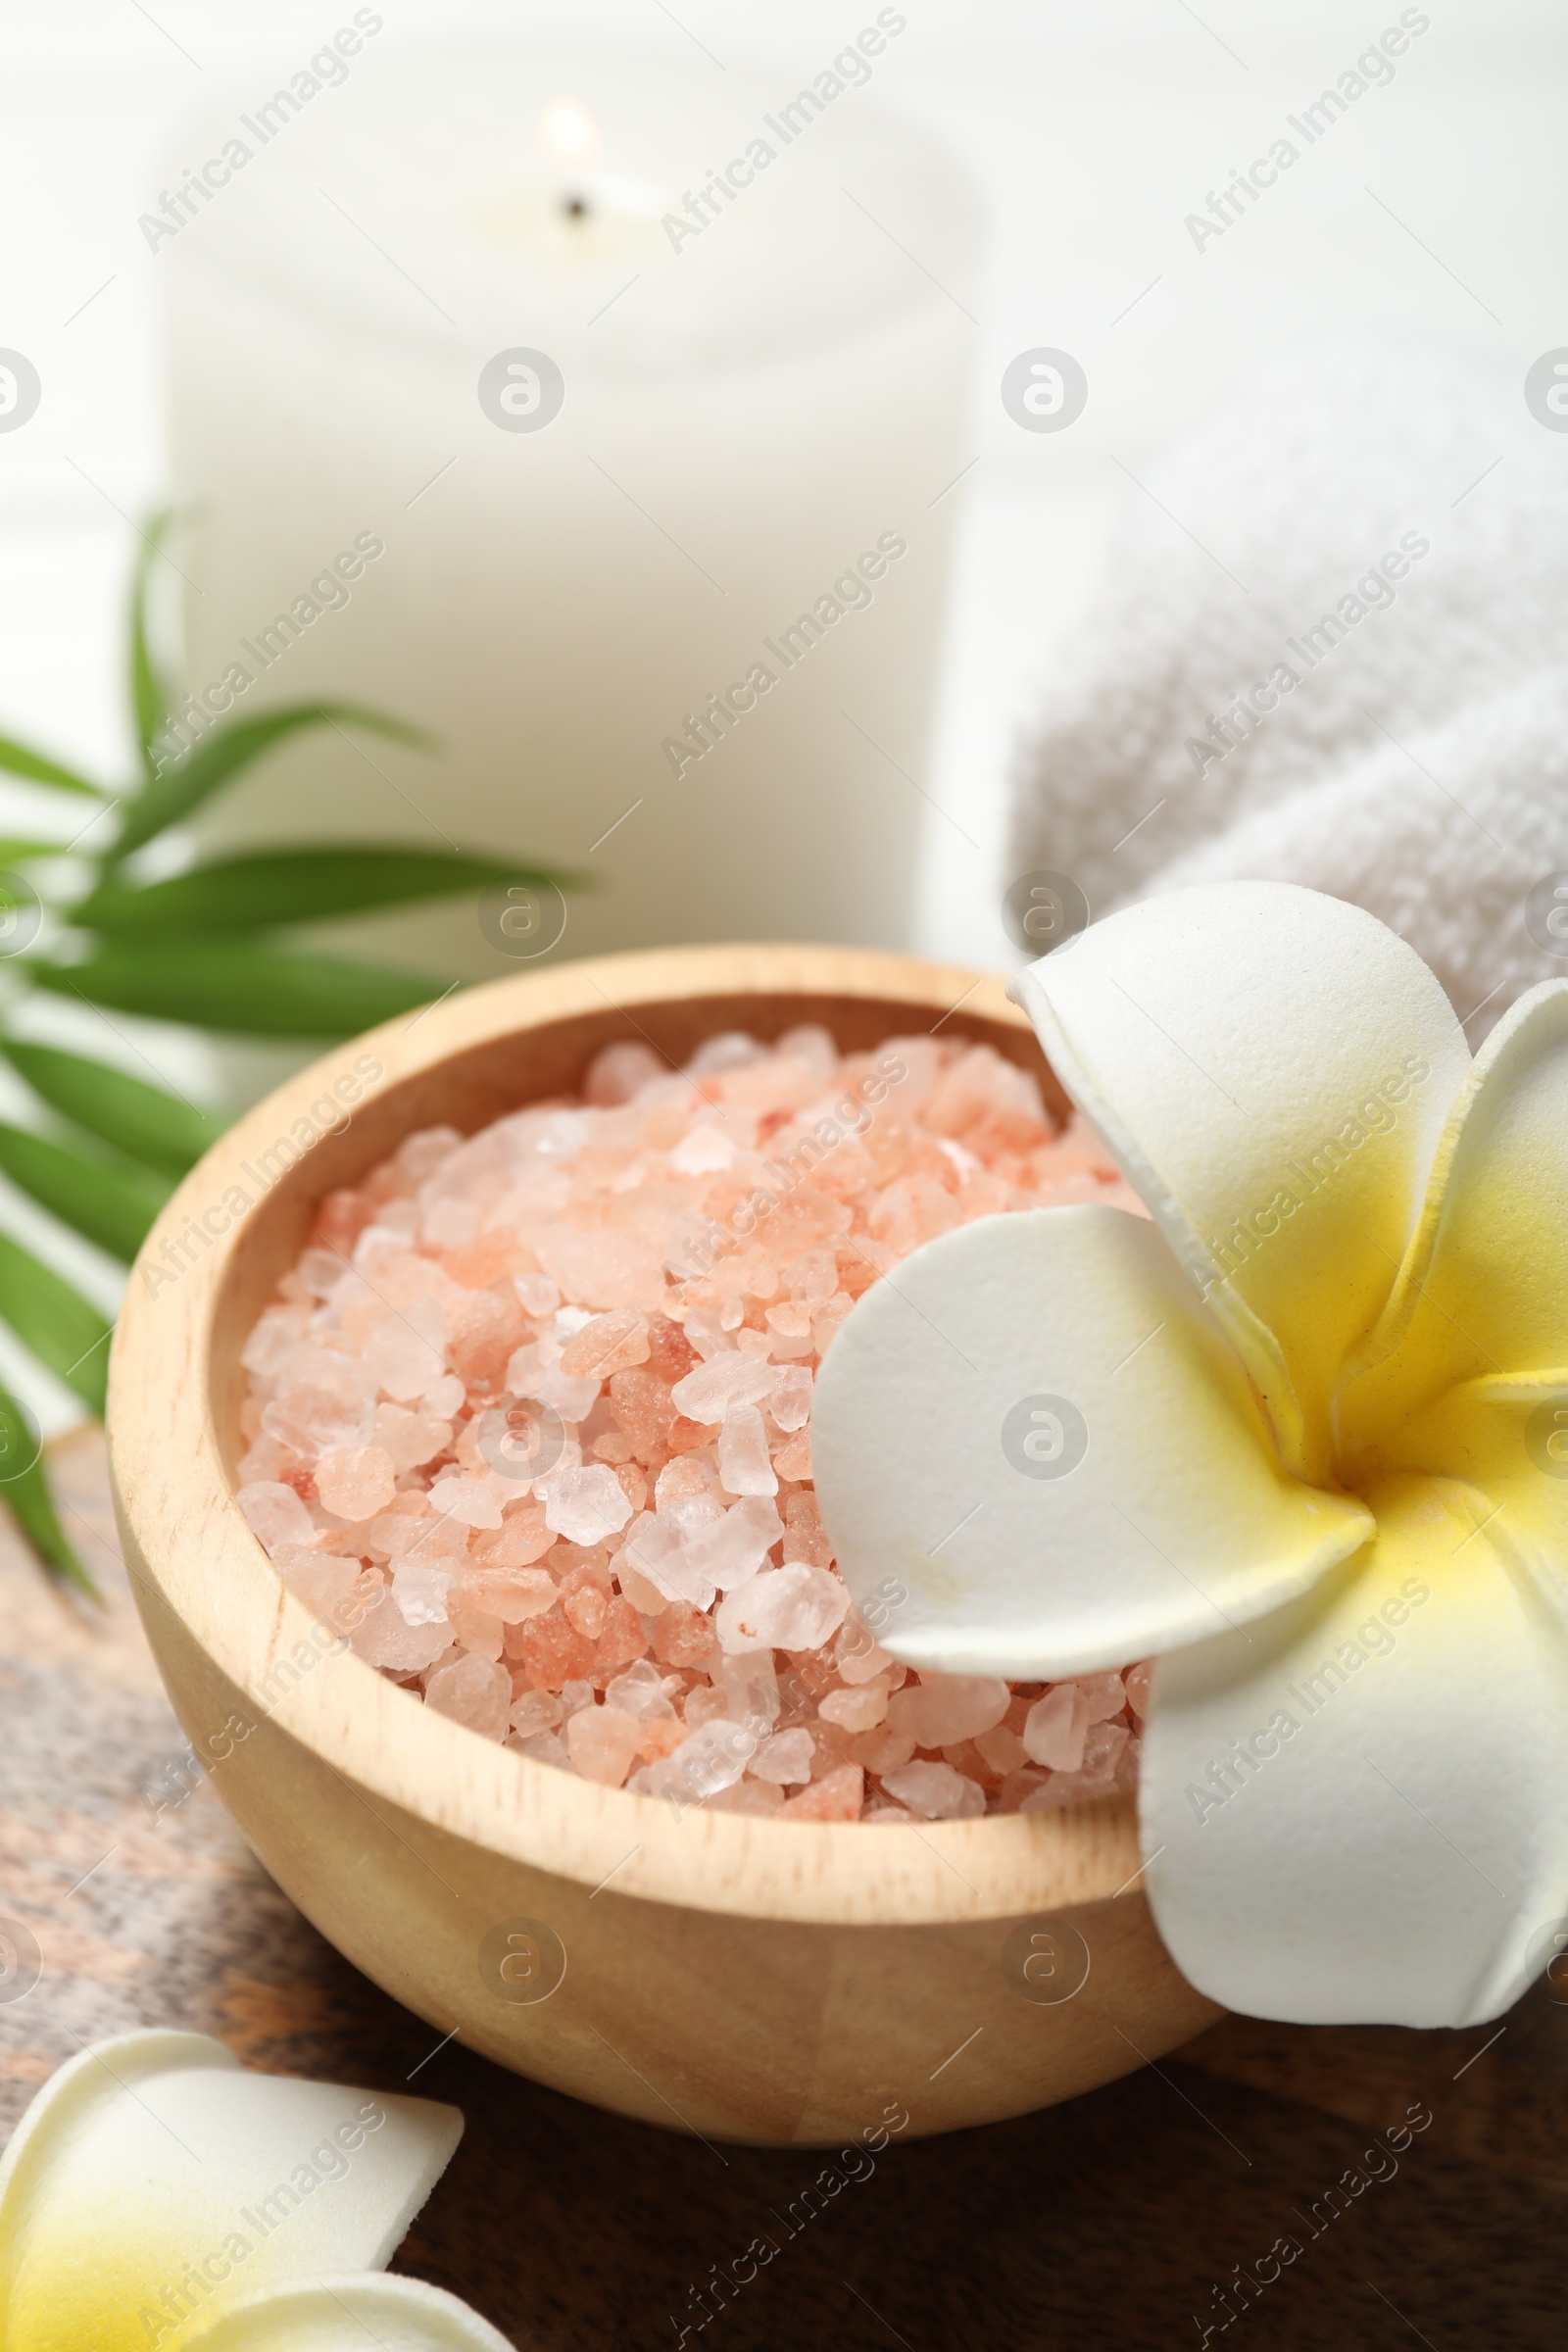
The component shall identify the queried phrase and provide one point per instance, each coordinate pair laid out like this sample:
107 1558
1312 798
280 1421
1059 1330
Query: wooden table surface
1104 2225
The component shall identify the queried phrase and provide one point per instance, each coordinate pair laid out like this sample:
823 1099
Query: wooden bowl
741 1978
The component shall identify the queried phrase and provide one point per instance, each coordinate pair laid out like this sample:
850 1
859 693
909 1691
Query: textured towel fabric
1330 646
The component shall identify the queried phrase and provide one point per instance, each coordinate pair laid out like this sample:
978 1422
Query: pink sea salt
948 1709
785 1757
473 1692
1055 1728
274 1514
530 1421
586 1504
602 1743
355 1481
855 1709
793 1607
936 1791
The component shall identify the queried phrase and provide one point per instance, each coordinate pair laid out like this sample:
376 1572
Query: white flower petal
1272 1069
155 2153
1036 1452
1467 1370
350 2314
1483 1292
1509 1441
1401 1856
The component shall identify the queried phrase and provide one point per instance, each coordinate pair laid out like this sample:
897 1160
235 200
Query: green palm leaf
263 889
154 1127
15 849
180 787
18 760
56 1322
112 1206
31 1503
151 695
251 992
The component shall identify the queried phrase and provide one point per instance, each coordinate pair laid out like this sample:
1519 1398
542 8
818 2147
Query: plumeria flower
1301 1435
156 2195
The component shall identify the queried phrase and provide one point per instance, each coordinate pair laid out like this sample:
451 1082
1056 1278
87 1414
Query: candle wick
575 208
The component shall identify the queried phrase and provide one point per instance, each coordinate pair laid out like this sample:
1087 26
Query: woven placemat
1109 2223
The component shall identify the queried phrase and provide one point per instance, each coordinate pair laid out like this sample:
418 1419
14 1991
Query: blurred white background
1435 206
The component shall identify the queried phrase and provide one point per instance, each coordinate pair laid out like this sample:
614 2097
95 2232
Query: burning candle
596 413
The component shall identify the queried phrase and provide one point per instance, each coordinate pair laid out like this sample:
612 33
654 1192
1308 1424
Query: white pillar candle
669 593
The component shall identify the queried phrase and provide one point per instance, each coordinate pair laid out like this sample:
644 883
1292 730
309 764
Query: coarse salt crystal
467 1498
538 1294
790 1402
744 1466
1103 1694
1103 1748
602 1743
384 1636
726 1049
274 1514
443 1396
355 1481
748 1796
786 1756
858 1657
704 1150
751 1691
949 1707
658 1550
729 1546
512 1594
1055 1728
641 1692
714 1757
586 1504
534 1712
727 1379
326 1584
420 1592
274 1340
936 1791
619 1072
543 1747
857 1710
322 1403
794 1607
529 1374
410 1440
475 1692
607 1343
1001 1748
838 1795
404 1350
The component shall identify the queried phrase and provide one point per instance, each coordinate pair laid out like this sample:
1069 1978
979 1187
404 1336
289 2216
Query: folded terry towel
1331 647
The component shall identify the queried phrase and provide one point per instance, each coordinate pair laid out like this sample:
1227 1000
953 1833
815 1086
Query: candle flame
568 135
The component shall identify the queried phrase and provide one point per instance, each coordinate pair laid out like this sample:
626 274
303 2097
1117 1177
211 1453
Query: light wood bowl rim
176 1500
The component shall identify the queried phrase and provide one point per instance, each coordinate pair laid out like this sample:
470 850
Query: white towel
1419 762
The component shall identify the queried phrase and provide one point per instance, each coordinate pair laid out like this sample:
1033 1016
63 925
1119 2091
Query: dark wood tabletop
1109 2224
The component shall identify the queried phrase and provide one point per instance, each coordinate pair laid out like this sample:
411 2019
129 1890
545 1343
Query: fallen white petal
155 2153
1272 1069
980 1529
1395 1849
350 2314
